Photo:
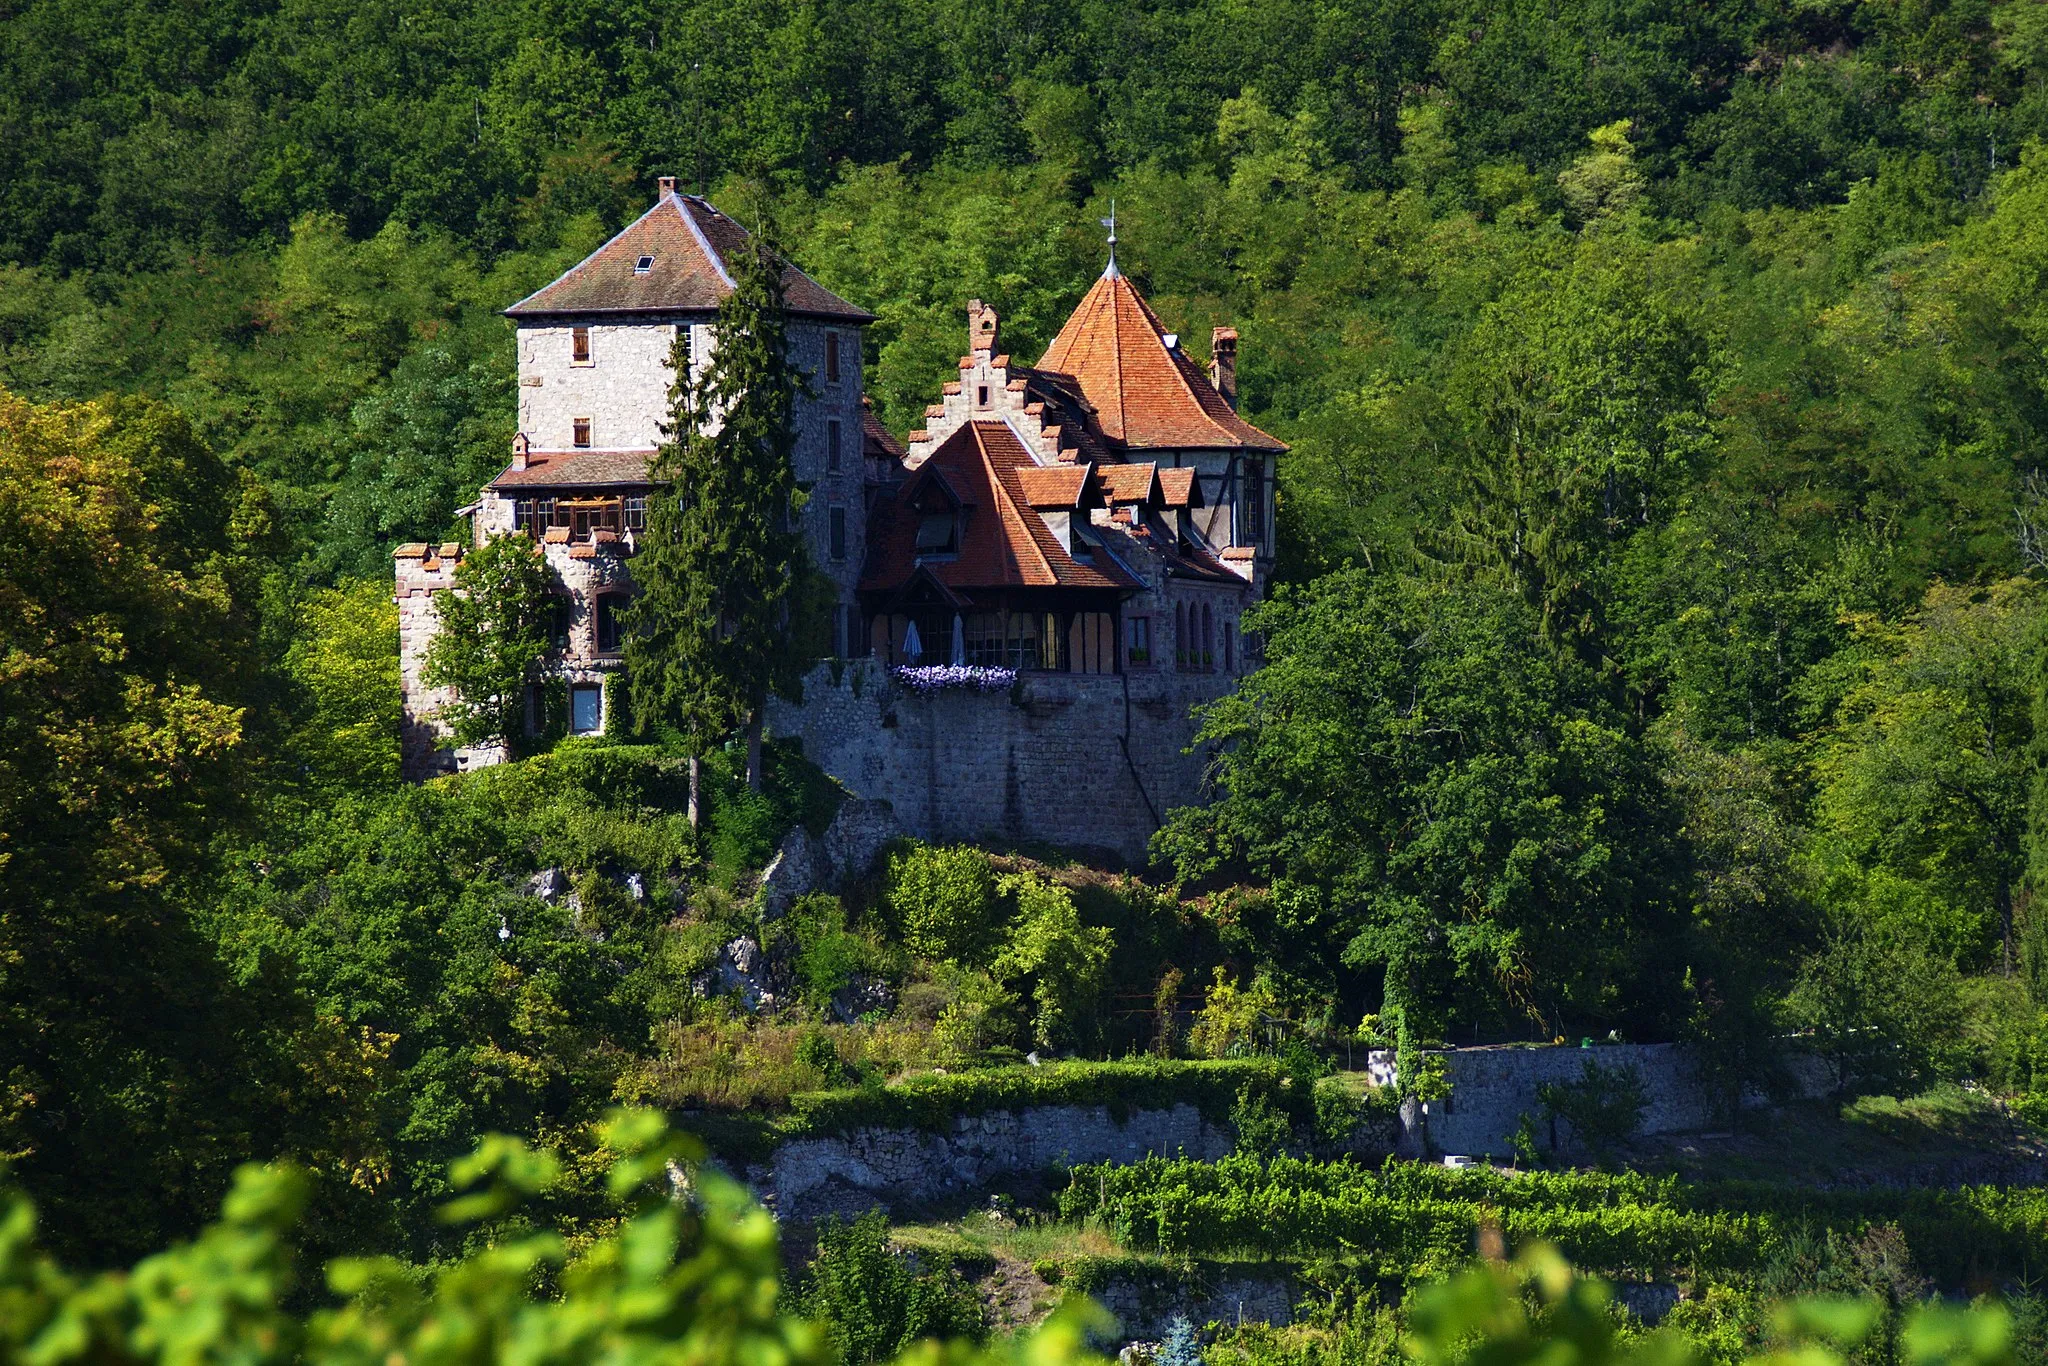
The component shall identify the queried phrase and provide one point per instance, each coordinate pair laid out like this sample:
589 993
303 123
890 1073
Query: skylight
643 265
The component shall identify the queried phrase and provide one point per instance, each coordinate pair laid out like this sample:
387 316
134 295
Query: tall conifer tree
720 620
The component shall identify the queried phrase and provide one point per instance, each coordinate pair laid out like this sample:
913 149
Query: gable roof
690 243
1005 544
1144 392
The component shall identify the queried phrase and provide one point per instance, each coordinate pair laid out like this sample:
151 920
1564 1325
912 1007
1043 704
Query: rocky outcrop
830 862
811 1177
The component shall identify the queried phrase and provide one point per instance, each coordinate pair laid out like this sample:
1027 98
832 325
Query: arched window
1180 635
1229 655
1208 639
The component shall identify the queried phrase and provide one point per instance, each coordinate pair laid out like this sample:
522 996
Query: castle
1031 592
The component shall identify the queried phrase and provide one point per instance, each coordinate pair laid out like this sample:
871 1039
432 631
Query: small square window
586 709
832 357
633 511
579 431
832 444
643 265
838 525
579 346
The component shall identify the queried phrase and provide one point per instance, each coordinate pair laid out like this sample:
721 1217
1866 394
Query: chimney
667 184
519 448
1223 363
981 327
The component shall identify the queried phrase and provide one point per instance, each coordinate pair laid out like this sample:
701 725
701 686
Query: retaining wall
1077 760
811 1177
1492 1088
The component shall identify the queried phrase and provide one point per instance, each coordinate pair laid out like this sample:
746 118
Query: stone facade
1078 760
622 388
1089 749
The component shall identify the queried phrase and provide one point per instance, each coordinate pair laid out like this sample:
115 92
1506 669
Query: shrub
944 900
1604 1107
1338 1110
1064 963
1230 1016
873 1303
816 1051
1262 1130
827 953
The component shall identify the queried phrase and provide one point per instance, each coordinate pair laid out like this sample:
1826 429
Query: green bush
816 1051
1261 1129
932 1102
827 953
1604 1107
1338 1110
873 1303
944 900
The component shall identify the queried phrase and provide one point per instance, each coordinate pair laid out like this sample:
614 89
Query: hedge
932 1101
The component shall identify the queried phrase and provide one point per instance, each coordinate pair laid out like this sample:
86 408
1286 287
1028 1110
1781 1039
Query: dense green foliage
495 628
873 1304
1667 392
1411 1221
687 1271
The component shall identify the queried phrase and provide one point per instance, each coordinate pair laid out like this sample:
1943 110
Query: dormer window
1084 543
938 533
643 265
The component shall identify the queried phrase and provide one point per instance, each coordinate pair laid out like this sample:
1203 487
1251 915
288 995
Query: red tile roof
880 443
1181 488
1052 487
1005 545
690 243
578 469
1123 484
1146 394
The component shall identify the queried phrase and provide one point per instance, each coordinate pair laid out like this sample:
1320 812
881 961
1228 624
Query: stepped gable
690 243
985 469
1145 393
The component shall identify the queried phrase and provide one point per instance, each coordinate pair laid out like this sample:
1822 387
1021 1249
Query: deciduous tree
494 632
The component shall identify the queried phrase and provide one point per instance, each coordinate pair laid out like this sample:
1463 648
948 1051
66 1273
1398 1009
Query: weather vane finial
1110 223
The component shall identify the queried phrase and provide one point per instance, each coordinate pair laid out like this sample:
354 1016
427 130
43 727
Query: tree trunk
2005 925
754 750
696 777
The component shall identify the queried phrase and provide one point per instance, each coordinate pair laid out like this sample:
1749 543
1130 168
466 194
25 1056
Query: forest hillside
1660 655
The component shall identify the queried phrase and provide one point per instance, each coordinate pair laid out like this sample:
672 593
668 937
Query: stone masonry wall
817 1176
1492 1088
1046 762
623 389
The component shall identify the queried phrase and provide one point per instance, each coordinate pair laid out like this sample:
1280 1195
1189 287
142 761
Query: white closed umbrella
912 646
959 642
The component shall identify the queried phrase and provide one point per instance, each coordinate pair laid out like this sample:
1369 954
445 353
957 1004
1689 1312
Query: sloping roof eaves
578 469
690 242
1146 394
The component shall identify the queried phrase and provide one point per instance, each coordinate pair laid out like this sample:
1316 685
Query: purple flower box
975 677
